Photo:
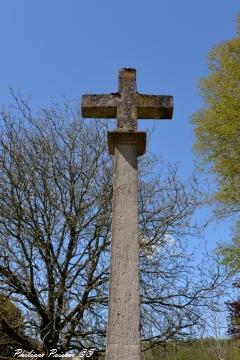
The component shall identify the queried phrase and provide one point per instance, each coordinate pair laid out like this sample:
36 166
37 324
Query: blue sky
54 47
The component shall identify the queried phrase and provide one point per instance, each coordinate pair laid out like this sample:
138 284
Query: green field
206 349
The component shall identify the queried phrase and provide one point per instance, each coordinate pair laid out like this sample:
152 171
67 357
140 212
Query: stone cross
127 105
123 330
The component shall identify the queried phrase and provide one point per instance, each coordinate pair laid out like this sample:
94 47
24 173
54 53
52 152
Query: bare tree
55 233
217 342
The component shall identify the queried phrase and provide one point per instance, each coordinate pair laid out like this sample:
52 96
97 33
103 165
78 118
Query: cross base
127 138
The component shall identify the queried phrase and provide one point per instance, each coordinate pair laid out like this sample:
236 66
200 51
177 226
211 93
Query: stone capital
137 138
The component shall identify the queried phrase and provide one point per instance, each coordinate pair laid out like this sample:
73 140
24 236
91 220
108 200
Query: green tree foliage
218 124
218 144
231 258
231 252
234 315
9 313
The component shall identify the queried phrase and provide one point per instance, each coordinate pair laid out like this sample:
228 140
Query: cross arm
154 106
100 106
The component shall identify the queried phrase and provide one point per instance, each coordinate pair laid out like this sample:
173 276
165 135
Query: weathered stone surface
123 335
137 138
154 106
123 331
100 106
127 105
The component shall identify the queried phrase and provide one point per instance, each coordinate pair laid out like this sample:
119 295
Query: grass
205 349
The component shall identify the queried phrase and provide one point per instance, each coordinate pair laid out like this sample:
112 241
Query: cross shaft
127 105
126 144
